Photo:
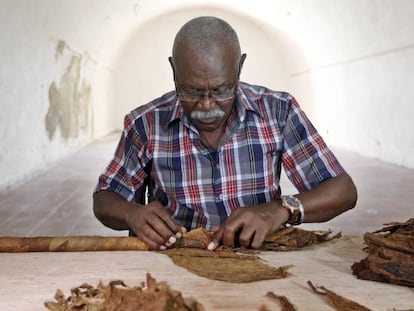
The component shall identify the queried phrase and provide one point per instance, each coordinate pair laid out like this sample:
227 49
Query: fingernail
211 246
172 240
178 235
163 248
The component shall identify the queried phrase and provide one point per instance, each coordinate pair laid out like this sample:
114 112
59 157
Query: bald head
202 34
206 48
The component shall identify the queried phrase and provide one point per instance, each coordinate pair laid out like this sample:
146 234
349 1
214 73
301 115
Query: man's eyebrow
224 84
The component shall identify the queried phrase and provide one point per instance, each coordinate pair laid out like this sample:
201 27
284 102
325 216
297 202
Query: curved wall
142 70
70 70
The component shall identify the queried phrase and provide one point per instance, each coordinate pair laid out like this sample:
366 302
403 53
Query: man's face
206 85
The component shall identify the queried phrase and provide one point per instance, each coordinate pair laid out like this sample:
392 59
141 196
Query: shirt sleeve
306 158
125 173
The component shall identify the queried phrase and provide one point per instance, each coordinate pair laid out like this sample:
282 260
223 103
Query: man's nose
205 103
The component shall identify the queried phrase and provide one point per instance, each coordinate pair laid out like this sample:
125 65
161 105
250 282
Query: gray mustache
200 115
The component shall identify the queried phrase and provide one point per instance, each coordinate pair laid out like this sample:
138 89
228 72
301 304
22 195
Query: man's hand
250 225
153 225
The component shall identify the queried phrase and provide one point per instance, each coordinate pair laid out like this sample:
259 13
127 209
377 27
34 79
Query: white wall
143 71
70 69
53 57
361 66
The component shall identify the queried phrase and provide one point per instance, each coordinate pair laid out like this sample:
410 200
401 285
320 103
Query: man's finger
231 231
258 239
171 241
166 218
246 236
150 237
162 229
180 232
212 245
216 240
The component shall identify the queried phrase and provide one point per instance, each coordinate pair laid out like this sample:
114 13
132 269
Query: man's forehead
206 67
211 47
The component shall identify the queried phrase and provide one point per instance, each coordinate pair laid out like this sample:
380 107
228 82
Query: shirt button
220 197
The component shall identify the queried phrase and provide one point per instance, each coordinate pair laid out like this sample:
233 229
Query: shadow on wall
142 71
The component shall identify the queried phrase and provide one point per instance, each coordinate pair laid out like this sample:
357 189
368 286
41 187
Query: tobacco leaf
239 265
287 238
284 302
292 238
390 255
397 241
386 265
225 265
406 228
340 303
117 296
197 238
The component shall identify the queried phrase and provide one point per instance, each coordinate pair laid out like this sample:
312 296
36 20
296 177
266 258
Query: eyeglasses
198 96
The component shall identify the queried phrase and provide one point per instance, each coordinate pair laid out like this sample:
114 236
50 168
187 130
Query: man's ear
170 59
242 59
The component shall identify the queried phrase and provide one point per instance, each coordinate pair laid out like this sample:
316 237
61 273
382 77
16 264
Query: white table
29 279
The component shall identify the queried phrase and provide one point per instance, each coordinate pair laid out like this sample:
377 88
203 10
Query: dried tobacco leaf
197 238
390 255
292 238
284 302
239 265
289 238
264 308
117 296
225 265
338 302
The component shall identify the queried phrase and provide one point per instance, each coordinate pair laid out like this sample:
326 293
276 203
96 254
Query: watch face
295 208
292 201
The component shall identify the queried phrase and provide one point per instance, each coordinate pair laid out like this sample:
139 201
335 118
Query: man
214 149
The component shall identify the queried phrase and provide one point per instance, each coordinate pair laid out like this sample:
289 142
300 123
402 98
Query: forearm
111 209
329 199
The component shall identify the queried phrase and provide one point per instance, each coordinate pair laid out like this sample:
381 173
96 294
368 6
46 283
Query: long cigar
198 238
70 244
284 239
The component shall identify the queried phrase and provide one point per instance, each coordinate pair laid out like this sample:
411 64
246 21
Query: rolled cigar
70 244
198 238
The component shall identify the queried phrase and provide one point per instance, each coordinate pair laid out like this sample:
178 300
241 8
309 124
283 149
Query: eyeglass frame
198 96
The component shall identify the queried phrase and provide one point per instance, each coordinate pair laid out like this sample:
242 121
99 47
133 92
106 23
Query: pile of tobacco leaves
390 255
118 296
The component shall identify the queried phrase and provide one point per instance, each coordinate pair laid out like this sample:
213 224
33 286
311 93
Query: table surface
30 279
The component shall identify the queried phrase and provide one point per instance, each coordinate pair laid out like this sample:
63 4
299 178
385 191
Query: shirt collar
176 112
245 103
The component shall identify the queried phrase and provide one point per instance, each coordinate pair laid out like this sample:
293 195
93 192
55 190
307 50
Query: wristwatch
295 209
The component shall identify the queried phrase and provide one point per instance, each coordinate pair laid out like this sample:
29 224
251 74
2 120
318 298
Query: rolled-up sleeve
126 171
306 158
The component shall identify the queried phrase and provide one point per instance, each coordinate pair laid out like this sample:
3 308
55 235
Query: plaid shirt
199 186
